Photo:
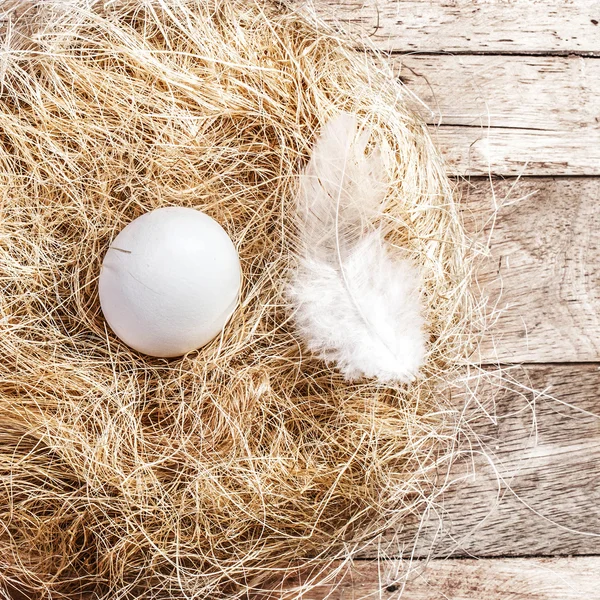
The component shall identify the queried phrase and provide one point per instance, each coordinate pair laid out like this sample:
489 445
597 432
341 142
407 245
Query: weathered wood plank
510 115
474 26
543 272
531 486
497 579
519 92
499 151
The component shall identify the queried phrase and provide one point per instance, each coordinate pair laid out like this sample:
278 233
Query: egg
169 281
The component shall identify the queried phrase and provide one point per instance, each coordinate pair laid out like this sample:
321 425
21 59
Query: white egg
170 281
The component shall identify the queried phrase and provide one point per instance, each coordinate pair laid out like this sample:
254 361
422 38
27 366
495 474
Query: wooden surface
511 90
510 115
503 579
473 26
543 273
533 486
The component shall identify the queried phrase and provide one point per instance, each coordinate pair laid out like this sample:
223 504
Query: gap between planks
547 265
547 451
547 256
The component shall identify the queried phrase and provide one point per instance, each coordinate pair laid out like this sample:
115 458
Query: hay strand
210 475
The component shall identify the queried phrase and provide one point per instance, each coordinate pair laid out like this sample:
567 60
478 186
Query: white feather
356 302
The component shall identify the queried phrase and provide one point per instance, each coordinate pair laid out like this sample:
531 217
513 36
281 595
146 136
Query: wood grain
498 151
540 93
473 26
543 272
514 579
510 115
532 485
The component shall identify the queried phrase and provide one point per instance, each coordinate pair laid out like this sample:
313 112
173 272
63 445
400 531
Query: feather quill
356 301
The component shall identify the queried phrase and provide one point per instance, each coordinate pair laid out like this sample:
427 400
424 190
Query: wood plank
497 579
474 26
510 115
540 93
531 485
543 271
499 151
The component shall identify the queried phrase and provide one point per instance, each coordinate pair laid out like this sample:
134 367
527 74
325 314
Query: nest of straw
218 473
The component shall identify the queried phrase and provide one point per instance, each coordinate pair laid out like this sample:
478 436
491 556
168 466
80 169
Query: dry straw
219 473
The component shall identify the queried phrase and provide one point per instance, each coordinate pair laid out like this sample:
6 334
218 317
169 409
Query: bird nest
219 473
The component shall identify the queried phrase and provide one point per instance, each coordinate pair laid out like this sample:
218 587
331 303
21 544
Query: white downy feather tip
356 302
